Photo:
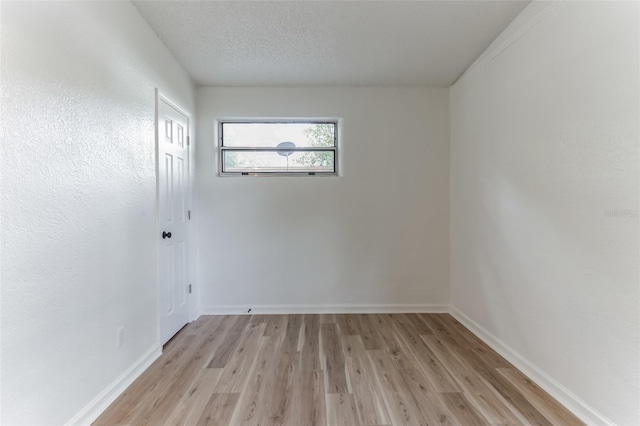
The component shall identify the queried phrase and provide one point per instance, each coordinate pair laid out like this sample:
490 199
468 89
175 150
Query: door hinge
188 140
189 214
189 288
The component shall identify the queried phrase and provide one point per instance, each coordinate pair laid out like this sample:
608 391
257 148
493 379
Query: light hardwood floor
299 370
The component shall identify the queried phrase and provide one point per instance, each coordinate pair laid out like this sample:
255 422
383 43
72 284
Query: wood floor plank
412 322
134 397
241 361
518 404
462 410
267 355
253 401
193 361
341 410
177 369
333 359
219 409
177 341
222 355
444 326
467 339
327 318
332 370
276 325
379 320
418 325
400 404
370 336
439 330
455 328
196 327
431 405
439 378
279 409
292 333
476 389
391 340
259 319
557 414
348 324
194 401
217 334
309 399
366 392
310 350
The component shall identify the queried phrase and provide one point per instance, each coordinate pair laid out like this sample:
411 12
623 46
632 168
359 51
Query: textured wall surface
78 200
376 235
544 198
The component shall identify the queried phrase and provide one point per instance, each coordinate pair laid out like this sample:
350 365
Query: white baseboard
100 403
577 406
323 309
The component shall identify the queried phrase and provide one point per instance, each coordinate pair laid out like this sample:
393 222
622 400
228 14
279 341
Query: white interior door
173 175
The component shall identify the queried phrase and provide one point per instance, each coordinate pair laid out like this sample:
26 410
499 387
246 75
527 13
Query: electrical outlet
120 337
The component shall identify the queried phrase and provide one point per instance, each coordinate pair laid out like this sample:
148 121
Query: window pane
278 161
303 135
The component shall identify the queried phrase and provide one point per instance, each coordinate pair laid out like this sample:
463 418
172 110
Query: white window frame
334 148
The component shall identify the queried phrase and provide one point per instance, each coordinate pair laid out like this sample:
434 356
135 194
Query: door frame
189 264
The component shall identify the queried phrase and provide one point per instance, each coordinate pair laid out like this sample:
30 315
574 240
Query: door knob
166 235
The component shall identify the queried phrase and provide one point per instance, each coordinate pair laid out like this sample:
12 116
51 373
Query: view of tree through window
257 147
320 135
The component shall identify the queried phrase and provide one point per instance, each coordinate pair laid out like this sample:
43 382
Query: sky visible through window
270 135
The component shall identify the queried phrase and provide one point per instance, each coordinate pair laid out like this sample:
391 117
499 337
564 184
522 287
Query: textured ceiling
293 43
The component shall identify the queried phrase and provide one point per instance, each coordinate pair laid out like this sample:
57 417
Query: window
278 147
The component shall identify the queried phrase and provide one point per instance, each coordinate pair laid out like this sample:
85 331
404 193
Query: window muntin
283 147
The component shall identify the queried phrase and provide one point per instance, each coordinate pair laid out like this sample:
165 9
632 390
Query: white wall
377 235
544 143
78 200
